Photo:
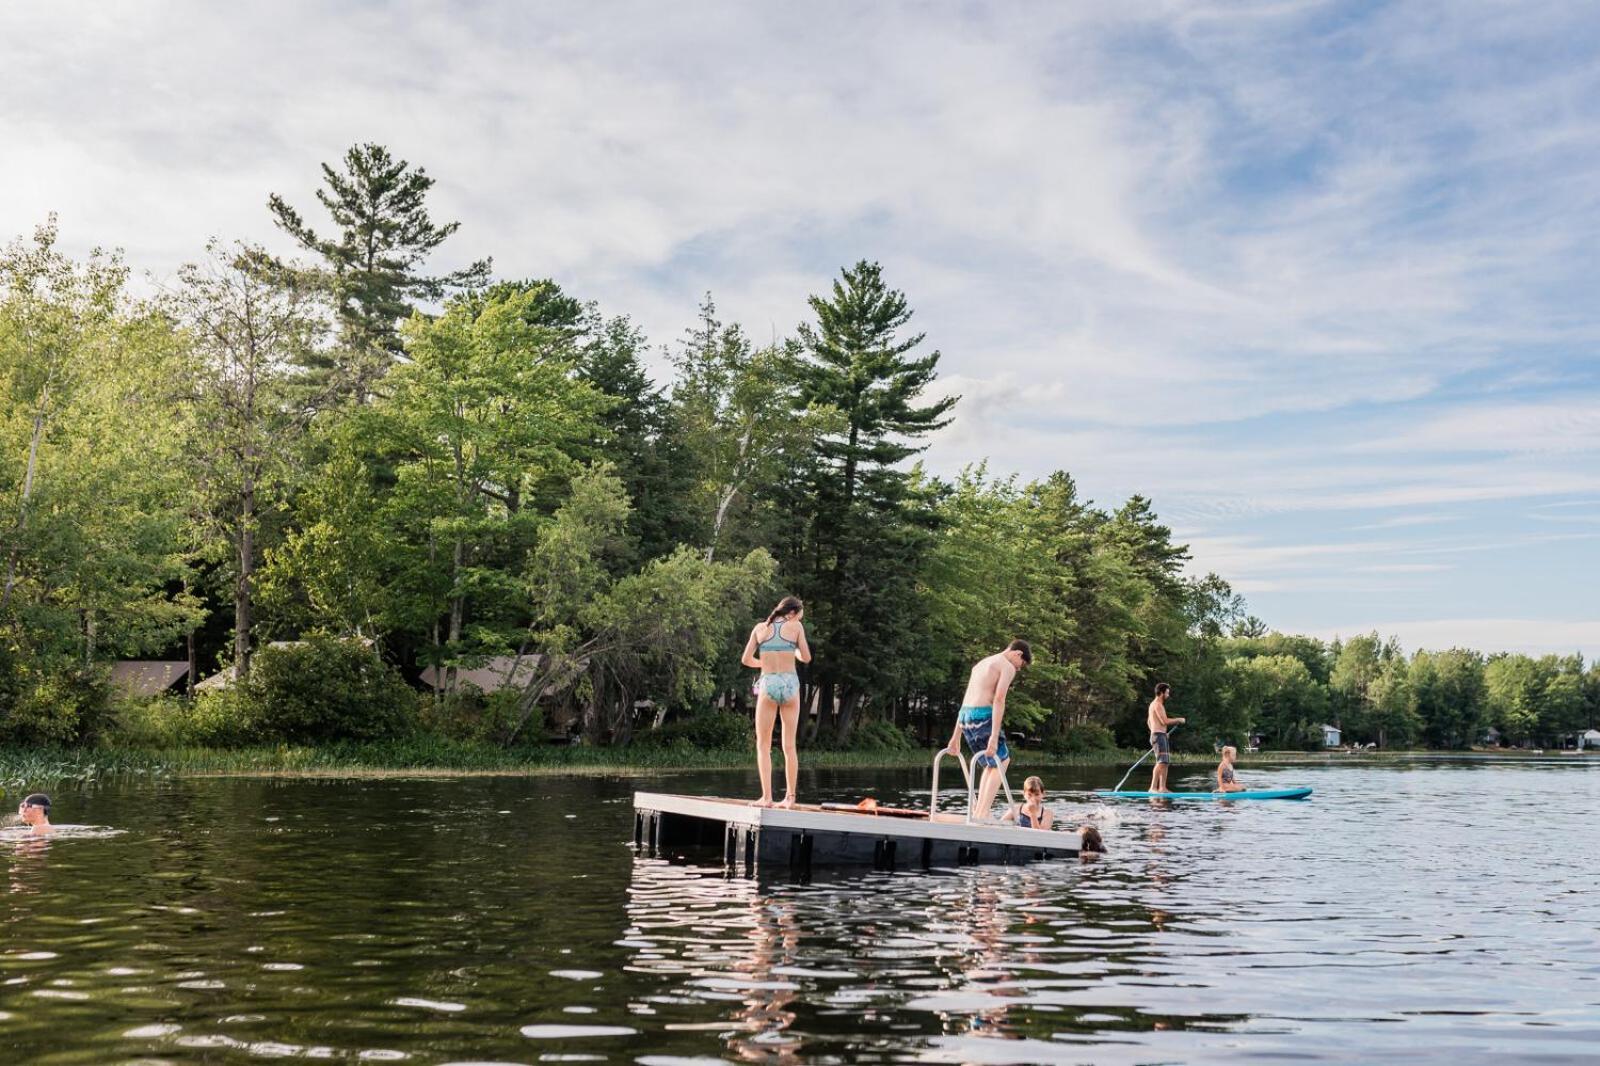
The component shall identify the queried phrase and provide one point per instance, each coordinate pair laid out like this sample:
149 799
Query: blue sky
1319 278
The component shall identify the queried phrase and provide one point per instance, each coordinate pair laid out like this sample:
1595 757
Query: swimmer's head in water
1091 840
34 808
1033 787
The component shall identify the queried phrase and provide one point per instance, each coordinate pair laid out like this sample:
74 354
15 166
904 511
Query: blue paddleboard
1248 794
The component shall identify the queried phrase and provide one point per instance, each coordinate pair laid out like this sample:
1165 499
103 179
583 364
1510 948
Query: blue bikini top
777 641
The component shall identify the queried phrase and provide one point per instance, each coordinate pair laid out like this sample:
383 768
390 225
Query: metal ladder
966 772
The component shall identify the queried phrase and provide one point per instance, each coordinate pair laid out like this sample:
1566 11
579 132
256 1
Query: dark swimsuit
1024 820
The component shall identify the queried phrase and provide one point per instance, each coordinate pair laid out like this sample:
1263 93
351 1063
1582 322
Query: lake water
1435 911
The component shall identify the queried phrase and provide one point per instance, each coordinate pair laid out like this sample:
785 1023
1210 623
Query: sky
1319 279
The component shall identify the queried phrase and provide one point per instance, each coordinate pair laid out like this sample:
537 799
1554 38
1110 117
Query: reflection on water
1441 910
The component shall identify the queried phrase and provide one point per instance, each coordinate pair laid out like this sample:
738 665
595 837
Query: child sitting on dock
1032 814
1227 781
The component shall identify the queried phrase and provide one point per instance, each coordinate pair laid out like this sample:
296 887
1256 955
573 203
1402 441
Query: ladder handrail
966 772
933 793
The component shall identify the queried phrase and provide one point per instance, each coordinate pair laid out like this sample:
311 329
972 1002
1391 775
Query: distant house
147 677
502 671
1330 736
216 682
1589 739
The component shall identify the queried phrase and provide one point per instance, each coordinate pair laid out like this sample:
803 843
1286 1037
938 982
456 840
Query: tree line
342 450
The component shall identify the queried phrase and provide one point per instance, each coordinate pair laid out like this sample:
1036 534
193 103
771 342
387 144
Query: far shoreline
22 767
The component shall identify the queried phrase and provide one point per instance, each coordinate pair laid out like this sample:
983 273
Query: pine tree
373 266
868 532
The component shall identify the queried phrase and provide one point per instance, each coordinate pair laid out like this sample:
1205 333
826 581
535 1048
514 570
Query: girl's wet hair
1033 784
1091 840
786 606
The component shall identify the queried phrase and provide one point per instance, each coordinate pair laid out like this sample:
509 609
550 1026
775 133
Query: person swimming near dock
1031 813
34 812
774 647
1159 722
1227 780
1092 846
983 710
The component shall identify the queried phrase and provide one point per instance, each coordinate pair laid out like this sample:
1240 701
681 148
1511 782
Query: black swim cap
37 799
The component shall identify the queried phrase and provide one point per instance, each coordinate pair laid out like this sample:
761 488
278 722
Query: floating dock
792 841
770 839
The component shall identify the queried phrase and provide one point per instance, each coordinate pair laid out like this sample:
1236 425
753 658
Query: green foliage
32 767
1100 596
1449 694
1316 656
1082 738
1281 697
220 717
742 423
325 689
475 717
606 640
1370 691
49 701
1531 699
709 730
416 527
639 436
989 578
881 736
247 323
92 492
151 722
214 718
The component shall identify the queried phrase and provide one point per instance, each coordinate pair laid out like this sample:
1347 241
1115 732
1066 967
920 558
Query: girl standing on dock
774 647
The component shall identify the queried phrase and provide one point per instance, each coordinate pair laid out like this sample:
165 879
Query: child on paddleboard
1031 813
1227 780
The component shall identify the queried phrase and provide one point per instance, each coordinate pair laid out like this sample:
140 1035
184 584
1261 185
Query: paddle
1135 766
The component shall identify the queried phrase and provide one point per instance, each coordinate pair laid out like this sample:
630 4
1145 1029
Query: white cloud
1402 521
1565 426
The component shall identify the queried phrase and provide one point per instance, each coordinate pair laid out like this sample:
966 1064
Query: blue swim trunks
976 725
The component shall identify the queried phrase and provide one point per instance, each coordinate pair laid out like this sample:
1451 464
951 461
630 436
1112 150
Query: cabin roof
147 677
502 671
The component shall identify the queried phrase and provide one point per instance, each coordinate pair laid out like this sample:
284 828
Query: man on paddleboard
1159 722
982 710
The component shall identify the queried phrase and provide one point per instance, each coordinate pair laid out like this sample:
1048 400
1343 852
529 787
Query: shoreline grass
21 767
